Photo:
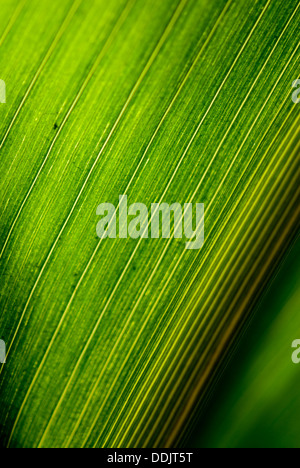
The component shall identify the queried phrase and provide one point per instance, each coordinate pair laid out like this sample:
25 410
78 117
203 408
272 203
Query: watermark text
296 353
296 94
134 221
2 352
2 92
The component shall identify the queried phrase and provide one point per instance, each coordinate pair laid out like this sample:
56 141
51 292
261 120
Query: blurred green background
256 403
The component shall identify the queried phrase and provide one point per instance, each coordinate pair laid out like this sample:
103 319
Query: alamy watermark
296 94
134 221
2 92
296 353
2 352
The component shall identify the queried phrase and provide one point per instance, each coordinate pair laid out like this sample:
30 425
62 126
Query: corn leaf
115 342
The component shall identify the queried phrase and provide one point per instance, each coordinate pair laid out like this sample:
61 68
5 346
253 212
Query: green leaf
115 342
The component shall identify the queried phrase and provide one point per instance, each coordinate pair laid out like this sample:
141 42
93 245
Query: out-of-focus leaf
113 343
257 402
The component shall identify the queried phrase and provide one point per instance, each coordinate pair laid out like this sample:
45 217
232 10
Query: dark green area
257 401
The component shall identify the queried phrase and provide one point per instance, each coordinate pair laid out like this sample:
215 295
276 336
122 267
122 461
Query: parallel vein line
167 187
181 300
12 21
168 111
229 331
245 100
215 292
233 235
56 40
154 55
107 44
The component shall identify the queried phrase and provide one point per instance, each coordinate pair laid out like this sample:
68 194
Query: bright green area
112 343
256 403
